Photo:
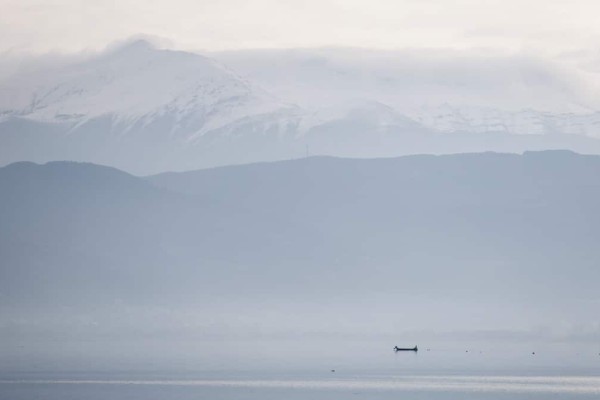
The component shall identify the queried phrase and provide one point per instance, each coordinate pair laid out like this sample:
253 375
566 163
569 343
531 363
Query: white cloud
69 25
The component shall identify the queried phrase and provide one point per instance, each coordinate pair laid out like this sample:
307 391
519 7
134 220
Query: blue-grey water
340 386
437 373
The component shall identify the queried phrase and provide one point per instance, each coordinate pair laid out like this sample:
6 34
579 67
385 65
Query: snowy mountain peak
137 45
137 84
147 109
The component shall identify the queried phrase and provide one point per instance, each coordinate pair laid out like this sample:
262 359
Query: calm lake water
369 373
341 386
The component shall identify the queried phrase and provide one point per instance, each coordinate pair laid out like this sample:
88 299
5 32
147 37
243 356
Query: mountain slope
447 92
489 217
94 261
478 120
147 110
136 85
136 107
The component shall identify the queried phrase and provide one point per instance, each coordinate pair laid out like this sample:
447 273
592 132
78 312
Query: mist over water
260 280
259 200
354 370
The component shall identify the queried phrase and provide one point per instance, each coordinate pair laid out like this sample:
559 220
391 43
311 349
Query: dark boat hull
405 349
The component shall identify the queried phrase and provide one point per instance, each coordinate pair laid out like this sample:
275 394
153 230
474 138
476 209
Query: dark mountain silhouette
471 241
447 224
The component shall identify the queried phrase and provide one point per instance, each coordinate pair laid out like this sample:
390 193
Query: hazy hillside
490 228
474 223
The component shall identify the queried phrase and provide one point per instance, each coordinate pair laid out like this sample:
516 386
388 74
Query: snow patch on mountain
373 116
148 110
450 119
136 85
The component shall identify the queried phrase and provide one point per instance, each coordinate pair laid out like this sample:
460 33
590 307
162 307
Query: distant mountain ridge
516 233
149 110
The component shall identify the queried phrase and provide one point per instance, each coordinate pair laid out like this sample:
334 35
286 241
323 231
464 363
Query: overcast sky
550 27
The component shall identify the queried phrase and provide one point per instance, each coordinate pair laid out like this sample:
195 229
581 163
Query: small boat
397 349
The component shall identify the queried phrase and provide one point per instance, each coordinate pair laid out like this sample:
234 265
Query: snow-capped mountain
147 110
446 92
136 86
